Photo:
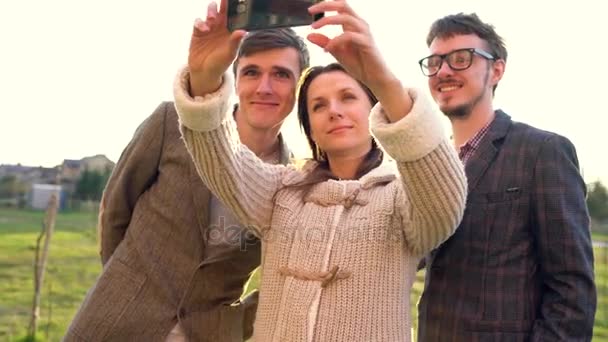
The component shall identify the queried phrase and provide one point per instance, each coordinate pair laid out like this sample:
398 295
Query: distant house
30 174
37 182
41 194
71 170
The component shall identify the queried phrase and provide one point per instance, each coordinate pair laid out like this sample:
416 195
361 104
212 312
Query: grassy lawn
72 268
74 265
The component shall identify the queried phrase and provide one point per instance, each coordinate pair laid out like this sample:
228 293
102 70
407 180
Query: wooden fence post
41 259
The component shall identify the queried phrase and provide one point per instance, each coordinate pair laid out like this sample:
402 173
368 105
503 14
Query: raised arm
135 171
431 202
233 173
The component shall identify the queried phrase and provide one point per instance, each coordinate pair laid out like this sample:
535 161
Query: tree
11 186
90 185
597 201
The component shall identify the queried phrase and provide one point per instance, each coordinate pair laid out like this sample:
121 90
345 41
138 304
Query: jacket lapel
488 148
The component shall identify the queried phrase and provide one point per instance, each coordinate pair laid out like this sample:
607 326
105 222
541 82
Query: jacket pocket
106 303
504 195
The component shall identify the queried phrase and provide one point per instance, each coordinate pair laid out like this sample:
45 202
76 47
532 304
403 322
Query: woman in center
342 235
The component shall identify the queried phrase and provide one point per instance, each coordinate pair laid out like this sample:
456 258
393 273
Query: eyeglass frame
472 51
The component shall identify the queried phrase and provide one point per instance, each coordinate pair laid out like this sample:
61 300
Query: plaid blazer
520 265
154 225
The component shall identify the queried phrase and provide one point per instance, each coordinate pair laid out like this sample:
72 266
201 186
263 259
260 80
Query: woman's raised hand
355 48
212 49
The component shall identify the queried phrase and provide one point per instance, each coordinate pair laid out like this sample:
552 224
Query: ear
498 70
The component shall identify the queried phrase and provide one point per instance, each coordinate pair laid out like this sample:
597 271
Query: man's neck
464 129
263 143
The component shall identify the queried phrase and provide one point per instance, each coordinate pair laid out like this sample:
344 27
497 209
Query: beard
464 110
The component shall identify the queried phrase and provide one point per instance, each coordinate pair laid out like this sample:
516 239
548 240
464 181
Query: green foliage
597 201
91 184
11 186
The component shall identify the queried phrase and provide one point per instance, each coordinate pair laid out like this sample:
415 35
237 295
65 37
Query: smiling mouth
339 129
264 103
448 87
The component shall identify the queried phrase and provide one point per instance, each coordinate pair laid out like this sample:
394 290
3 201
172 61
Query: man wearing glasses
520 266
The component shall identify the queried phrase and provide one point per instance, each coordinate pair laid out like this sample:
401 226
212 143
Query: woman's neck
346 166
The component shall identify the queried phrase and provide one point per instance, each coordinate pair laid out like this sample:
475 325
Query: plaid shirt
466 150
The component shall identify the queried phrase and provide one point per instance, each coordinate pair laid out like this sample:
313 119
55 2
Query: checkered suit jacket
520 265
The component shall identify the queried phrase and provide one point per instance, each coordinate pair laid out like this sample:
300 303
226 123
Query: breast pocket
505 195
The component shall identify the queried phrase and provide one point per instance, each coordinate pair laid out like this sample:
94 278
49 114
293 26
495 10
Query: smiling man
520 265
175 259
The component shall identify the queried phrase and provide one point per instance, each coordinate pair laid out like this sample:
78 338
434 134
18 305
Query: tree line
91 183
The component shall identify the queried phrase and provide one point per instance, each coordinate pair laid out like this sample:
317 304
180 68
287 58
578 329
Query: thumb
318 39
235 39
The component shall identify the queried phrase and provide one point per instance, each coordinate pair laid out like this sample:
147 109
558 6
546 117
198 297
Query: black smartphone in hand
253 15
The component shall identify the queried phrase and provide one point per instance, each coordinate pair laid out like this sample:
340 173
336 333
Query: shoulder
533 134
541 144
159 116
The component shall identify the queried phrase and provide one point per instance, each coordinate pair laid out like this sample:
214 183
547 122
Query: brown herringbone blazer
153 228
520 265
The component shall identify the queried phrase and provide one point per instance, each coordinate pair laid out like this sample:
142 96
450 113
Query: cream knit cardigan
337 262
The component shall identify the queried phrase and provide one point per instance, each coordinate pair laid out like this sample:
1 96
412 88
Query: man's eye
434 62
250 72
282 74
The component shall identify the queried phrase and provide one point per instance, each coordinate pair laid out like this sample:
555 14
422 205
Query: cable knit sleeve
234 174
433 196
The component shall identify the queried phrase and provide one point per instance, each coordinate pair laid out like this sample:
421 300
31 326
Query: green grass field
74 265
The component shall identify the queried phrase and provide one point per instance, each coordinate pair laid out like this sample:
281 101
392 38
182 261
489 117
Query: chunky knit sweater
338 258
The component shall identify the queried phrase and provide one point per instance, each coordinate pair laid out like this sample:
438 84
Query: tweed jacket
339 256
153 225
520 266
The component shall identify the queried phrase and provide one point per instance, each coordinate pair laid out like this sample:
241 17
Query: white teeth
448 88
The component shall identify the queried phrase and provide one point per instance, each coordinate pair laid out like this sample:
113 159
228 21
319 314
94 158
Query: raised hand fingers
318 39
345 40
346 20
339 6
212 12
200 27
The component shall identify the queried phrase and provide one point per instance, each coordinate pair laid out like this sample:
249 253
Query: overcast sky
77 77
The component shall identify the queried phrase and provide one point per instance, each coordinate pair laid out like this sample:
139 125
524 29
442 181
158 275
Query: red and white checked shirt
466 150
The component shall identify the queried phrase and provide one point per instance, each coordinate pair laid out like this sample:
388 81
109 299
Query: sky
77 76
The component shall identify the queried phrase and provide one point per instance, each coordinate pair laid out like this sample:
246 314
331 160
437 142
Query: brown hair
374 156
461 24
277 38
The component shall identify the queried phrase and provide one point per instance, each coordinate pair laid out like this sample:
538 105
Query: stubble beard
464 111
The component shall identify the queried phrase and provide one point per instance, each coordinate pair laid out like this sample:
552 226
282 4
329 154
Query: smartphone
253 15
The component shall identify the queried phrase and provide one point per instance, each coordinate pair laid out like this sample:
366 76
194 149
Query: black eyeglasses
460 59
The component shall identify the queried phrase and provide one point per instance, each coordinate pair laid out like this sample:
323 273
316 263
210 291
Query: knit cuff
201 113
412 137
